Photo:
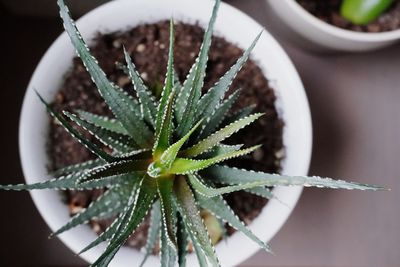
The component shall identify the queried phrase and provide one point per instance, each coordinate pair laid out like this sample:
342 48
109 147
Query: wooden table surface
354 100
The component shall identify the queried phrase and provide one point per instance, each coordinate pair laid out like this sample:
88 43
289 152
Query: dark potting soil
148 45
328 11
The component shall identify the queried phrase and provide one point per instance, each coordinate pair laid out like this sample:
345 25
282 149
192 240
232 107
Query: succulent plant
362 12
166 158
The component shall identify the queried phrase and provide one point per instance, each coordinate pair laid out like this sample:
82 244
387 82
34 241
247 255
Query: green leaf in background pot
362 12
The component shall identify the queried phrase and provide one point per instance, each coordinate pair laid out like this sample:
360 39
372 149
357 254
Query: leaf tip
257 146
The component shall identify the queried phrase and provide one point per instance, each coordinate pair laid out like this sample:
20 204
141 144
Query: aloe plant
167 158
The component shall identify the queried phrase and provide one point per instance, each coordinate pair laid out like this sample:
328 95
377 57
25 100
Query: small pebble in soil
140 48
258 155
123 81
144 76
117 43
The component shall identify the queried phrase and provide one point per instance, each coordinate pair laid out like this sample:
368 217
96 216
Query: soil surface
148 45
328 11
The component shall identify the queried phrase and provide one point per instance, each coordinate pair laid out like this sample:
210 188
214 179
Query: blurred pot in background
320 30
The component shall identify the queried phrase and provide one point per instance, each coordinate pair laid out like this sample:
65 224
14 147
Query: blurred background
354 99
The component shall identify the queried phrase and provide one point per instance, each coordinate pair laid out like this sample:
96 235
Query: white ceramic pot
123 14
326 35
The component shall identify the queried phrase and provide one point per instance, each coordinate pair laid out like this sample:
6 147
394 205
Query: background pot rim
283 76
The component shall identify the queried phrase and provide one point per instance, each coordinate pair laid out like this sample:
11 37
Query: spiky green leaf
113 140
183 95
229 175
201 257
122 220
135 214
77 135
238 115
216 118
80 167
140 154
177 82
164 188
207 191
164 135
191 91
265 193
112 229
114 97
169 80
221 209
113 169
219 150
209 102
153 232
107 259
182 238
186 166
104 236
168 157
188 209
66 182
262 192
168 251
110 203
218 136
146 99
104 122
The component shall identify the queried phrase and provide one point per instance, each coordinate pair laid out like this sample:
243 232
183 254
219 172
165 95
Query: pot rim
299 134
367 37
